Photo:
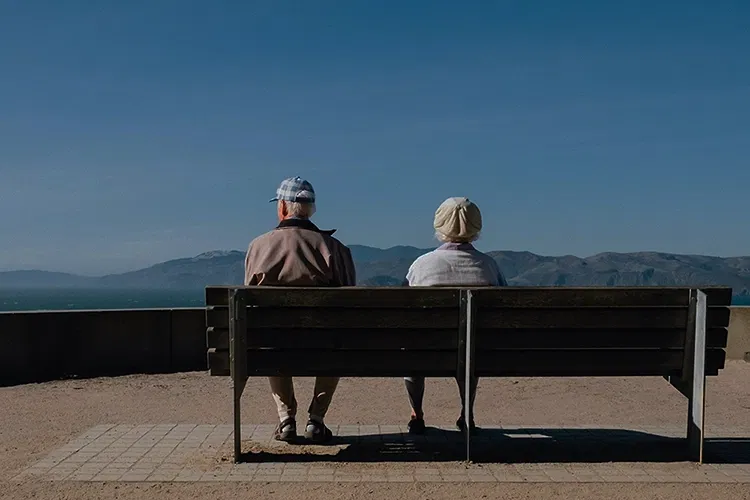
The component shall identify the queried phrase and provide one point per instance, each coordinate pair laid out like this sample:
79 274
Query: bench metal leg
237 425
696 376
466 360
692 384
237 359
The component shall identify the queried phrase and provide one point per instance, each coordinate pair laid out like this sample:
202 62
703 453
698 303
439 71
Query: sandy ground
35 419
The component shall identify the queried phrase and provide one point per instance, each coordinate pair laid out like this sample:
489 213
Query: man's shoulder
337 247
293 232
263 237
336 241
320 235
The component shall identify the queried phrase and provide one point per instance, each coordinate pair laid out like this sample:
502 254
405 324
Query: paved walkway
185 453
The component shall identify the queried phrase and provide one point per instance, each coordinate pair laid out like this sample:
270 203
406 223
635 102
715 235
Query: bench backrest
424 331
340 331
593 331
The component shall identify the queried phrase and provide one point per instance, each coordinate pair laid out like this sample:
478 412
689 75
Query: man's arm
248 262
501 280
250 271
347 272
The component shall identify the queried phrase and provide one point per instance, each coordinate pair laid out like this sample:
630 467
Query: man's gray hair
301 210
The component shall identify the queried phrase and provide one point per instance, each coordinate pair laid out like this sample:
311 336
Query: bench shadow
507 446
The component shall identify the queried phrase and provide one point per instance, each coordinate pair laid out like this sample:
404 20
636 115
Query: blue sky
135 132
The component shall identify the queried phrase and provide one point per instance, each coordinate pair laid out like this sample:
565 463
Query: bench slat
218 362
499 338
353 363
488 338
349 318
596 297
448 297
508 363
398 297
600 317
573 363
363 338
565 318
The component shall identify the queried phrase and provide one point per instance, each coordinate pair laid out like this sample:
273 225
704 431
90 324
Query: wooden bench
676 333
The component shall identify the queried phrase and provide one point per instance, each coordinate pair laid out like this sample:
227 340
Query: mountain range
387 267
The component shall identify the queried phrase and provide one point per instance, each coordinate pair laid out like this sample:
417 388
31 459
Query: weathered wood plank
510 363
491 297
217 338
237 360
218 296
341 297
352 363
595 317
218 362
718 317
580 318
537 297
600 317
238 342
507 338
715 360
679 384
217 313
350 318
397 338
572 363
361 338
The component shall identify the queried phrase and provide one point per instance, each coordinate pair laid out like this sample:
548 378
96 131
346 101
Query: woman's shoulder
426 258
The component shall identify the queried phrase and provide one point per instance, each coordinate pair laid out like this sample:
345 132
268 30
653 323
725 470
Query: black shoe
461 425
286 431
317 432
416 426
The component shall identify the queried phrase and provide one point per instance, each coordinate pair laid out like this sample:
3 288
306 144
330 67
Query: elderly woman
456 262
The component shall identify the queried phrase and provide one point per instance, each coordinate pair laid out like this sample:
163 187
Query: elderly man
456 262
297 253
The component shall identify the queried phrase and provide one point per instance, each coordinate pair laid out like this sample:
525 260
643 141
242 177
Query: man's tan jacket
297 253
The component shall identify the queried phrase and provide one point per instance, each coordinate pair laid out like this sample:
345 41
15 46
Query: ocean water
70 299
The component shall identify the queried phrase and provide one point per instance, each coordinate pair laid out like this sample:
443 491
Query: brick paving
386 453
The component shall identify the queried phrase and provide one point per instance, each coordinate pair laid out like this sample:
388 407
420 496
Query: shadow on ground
506 446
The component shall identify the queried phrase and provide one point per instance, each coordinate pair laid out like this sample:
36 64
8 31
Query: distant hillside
378 267
626 269
217 268
44 279
363 254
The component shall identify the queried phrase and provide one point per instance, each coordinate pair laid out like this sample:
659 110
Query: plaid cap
295 189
